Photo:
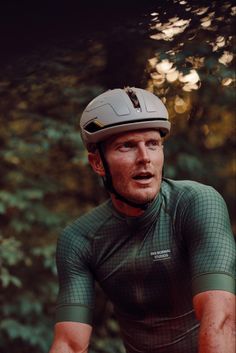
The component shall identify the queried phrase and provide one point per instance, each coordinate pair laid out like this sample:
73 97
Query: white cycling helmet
121 110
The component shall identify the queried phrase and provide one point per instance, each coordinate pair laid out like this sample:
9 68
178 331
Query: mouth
143 176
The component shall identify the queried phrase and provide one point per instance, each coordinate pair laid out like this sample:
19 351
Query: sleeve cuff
74 313
213 281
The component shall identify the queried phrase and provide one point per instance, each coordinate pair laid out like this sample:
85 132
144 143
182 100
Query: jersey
149 266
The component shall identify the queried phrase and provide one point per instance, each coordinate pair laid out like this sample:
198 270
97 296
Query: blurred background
55 56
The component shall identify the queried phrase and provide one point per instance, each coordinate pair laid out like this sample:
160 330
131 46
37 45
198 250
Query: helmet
121 110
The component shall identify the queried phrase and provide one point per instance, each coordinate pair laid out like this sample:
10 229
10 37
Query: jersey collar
146 219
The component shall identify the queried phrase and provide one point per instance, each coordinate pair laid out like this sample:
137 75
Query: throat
125 209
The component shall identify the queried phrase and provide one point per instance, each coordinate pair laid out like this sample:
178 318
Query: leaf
2 208
6 278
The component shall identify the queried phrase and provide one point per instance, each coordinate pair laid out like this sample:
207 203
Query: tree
185 54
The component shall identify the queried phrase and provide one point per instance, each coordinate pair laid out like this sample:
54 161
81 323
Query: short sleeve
76 285
209 239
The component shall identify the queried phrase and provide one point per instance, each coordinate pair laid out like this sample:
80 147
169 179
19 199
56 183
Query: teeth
143 176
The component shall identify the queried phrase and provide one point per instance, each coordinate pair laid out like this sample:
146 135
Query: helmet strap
108 184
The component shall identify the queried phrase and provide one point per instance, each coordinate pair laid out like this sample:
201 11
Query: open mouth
143 176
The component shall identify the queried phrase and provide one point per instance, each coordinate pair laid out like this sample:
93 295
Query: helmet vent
133 97
93 126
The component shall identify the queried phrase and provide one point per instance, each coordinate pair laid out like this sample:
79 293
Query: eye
154 144
125 146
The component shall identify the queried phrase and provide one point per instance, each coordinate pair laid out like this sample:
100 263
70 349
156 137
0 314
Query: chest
139 267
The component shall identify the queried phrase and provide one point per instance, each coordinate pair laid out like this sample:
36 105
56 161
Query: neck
124 208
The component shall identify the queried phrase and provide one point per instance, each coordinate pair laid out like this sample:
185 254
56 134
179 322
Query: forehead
134 135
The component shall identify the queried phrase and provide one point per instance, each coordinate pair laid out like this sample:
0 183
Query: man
162 250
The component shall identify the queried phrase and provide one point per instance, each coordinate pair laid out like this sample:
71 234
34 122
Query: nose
143 154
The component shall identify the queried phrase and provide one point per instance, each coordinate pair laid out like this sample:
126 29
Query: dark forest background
55 56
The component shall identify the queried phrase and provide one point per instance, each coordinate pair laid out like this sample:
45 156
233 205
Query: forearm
63 347
217 338
216 312
71 337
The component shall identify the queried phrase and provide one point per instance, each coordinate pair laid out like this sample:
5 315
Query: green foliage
45 184
36 336
10 255
45 180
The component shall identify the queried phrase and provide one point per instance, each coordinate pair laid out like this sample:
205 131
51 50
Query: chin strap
107 181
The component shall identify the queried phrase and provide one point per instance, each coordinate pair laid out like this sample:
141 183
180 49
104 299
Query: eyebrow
133 140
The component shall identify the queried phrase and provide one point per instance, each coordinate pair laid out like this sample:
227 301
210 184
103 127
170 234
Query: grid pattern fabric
146 264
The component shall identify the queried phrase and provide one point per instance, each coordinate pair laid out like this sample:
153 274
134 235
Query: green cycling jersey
150 266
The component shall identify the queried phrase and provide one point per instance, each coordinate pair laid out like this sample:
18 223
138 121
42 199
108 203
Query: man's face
135 161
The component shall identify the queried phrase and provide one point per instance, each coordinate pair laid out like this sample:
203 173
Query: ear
96 163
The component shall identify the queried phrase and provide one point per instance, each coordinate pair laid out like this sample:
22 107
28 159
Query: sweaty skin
71 337
216 310
135 161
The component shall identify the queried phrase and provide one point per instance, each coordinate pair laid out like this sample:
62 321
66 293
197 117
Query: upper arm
76 283
210 242
71 337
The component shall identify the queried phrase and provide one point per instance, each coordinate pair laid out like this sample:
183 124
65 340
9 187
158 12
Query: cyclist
162 250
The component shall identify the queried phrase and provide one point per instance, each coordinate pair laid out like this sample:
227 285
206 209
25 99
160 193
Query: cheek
161 155
158 159
121 171
121 163
161 159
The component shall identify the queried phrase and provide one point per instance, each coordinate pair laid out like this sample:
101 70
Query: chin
142 197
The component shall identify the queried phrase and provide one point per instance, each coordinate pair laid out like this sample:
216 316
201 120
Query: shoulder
84 228
180 186
186 192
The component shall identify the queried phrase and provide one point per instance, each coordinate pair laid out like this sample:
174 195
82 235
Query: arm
76 293
216 311
211 250
71 337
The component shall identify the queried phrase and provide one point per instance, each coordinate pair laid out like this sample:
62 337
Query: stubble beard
139 197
